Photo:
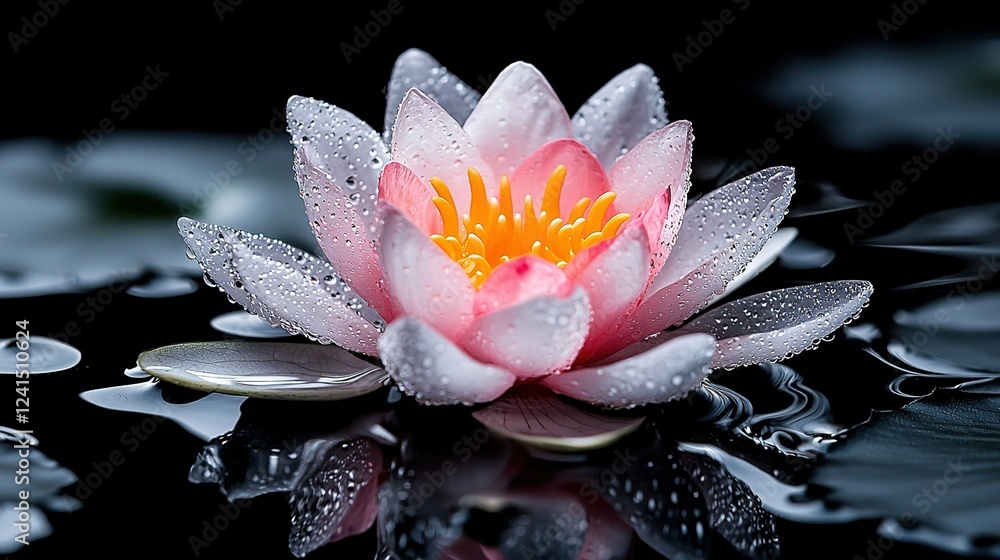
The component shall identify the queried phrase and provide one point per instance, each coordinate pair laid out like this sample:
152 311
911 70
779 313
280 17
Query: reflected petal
338 498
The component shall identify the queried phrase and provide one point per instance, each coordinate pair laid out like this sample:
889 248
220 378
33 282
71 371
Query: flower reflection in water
449 488
444 489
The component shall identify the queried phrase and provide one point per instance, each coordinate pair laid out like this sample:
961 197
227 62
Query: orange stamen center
492 233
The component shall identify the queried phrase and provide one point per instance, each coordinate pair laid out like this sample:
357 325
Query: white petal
538 336
720 235
621 113
537 417
338 158
516 116
422 280
660 372
779 324
340 150
417 69
765 258
430 143
283 285
270 370
432 369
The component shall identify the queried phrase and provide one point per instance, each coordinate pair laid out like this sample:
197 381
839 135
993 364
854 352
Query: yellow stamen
579 209
449 218
444 245
491 233
553 190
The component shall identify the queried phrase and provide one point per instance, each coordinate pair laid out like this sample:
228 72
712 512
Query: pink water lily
481 243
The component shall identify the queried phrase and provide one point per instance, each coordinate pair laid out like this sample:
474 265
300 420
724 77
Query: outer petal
721 233
779 324
664 372
516 116
615 274
421 279
404 190
584 175
621 113
283 285
523 278
430 143
431 368
337 162
417 69
541 335
765 258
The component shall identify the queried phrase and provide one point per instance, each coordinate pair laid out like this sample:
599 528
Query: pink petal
664 372
516 116
657 221
283 285
584 175
620 114
430 143
404 190
615 274
417 69
428 366
339 498
535 416
541 335
607 533
720 235
337 161
660 161
776 325
519 280
422 281
467 549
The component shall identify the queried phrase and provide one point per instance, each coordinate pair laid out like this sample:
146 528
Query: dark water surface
882 443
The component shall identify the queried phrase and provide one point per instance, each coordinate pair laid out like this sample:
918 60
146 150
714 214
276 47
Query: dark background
230 67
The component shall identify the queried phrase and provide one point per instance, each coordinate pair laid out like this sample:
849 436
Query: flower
481 243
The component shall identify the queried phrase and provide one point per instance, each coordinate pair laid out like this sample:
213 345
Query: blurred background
138 115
